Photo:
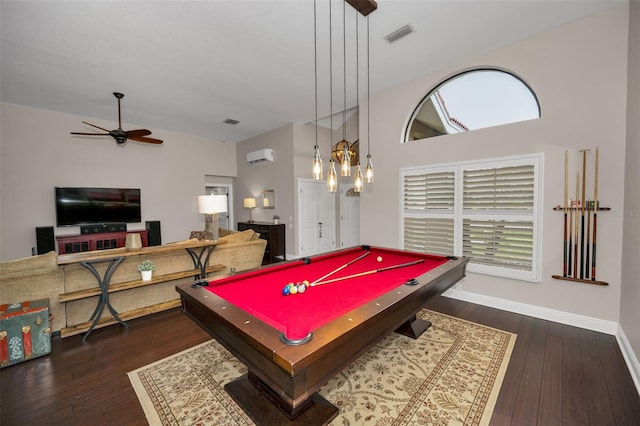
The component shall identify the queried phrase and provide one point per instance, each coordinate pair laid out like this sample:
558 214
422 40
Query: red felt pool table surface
248 314
260 293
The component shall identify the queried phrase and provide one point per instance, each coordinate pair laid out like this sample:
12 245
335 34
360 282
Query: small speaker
153 232
45 241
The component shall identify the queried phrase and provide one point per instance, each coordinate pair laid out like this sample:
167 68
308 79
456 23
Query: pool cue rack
580 226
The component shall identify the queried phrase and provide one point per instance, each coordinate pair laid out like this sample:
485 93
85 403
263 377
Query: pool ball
379 258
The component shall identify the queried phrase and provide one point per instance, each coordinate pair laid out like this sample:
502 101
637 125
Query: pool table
294 344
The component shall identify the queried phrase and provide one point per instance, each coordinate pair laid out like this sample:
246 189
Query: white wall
579 72
630 295
38 153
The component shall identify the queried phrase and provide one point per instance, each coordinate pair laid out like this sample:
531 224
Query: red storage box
25 332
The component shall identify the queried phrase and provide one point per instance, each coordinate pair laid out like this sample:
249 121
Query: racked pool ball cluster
295 288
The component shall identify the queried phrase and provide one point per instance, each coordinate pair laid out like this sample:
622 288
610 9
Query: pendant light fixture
316 165
357 176
344 153
332 176
368 169
345 166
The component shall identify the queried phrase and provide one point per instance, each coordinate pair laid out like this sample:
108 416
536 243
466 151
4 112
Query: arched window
472 100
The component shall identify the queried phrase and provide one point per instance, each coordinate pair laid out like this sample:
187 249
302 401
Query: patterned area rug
451 375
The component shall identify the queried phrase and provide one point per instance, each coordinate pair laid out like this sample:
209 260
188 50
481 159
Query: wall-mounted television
86 206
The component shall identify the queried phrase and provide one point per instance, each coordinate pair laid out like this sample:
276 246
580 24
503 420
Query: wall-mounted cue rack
580 226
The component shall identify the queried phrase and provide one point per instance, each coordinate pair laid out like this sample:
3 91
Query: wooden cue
584 175
340 268
372 271
575 234
586 266
566 195
570 255
595 218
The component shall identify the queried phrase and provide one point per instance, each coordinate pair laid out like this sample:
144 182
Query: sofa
43 276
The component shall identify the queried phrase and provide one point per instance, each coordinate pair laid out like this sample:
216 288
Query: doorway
349 216
226 219
317 213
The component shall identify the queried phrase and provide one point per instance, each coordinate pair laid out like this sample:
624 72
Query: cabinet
274 234
89 242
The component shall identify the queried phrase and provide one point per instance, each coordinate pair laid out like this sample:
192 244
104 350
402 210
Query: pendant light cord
344 62
368 96
315 64
330 86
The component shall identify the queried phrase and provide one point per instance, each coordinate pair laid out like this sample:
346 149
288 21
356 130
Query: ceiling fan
120 135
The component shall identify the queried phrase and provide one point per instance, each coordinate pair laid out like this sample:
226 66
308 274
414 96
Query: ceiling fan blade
90 134
146 140
97 127
138 132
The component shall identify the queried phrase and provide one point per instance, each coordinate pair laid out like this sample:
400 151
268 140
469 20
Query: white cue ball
379 258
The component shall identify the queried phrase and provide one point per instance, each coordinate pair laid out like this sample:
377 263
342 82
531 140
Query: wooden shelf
127 285
66 259
129 315
586 209
578 280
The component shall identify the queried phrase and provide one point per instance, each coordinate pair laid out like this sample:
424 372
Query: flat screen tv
86 206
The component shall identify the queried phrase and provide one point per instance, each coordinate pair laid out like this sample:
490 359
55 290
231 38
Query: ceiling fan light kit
121 136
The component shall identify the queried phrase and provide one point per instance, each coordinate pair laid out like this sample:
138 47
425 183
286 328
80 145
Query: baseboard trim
589 323
629 356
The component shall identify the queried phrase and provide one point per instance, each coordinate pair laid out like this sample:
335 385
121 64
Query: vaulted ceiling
187 66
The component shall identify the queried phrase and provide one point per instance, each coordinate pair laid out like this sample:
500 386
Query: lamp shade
249 203
211 204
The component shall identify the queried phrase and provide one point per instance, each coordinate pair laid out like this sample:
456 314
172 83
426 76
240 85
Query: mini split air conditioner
260 156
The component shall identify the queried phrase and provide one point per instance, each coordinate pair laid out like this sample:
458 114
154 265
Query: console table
199 251
274 234
100 241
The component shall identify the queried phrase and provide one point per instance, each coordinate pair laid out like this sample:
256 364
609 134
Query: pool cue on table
575 234
595 218
584 175
340 268
372 271
566 186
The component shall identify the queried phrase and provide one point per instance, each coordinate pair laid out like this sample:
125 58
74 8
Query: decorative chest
25 332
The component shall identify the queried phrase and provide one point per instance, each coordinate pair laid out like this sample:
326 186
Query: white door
316 209
349 216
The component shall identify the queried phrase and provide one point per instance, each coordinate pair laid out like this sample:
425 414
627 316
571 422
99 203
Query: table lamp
250 203
210 206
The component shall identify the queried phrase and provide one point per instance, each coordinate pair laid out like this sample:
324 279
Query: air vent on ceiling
231 121
399 33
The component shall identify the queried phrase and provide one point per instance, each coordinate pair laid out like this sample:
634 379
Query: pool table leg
414 327
266 408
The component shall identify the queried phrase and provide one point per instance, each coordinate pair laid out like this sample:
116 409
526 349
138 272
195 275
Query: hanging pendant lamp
368 169
332 176
316 164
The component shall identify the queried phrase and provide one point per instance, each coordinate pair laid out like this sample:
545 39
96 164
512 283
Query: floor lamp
211 206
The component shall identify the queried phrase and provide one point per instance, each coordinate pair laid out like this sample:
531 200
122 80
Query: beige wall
579 72
38 153
276 175
630 290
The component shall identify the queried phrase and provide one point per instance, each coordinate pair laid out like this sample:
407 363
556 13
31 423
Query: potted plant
276 219
146 269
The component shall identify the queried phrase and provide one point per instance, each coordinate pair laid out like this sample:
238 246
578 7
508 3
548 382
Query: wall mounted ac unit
260 156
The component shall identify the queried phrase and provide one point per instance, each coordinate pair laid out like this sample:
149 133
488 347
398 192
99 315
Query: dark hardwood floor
558 375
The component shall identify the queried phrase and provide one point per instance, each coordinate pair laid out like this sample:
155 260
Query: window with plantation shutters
487 211
428 201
